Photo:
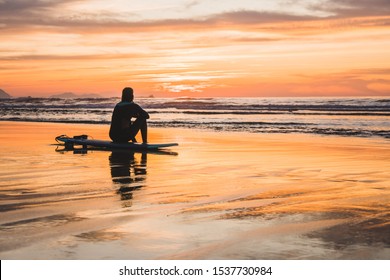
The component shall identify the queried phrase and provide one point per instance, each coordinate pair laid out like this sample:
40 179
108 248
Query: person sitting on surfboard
123 129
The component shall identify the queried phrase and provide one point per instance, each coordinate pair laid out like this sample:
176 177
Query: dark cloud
351 8
376 4
37 14
253 17
14 7
72 57
27 13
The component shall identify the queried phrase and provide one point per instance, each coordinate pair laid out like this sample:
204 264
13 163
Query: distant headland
74 95
4 95
65 95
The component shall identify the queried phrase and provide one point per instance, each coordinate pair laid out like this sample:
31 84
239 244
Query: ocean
360 117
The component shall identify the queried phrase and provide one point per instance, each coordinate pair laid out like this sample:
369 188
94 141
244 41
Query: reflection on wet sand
128 168
128 172
227 196
348 216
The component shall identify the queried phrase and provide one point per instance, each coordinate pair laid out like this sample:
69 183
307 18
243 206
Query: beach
218 195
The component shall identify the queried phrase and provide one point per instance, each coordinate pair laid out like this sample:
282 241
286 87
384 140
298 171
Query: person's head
127 94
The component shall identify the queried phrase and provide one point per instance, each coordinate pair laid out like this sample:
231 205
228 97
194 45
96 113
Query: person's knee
142 120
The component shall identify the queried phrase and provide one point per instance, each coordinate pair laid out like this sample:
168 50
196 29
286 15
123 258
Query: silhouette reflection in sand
128 172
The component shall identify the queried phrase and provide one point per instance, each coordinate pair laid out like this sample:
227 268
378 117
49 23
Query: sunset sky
196 47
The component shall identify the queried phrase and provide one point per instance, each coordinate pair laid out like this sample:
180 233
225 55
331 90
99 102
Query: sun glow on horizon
171 48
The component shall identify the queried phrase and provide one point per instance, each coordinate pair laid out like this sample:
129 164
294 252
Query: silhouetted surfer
123 129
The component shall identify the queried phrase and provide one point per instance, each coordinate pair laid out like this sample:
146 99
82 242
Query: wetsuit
122 128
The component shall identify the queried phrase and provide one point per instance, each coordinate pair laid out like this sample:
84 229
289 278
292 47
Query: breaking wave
363 117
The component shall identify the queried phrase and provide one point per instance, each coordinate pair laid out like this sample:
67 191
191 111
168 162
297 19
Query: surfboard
85 142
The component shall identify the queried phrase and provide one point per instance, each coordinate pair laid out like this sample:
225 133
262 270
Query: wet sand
216 196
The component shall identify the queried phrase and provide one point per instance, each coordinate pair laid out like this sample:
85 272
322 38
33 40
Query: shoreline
219 195
207 130
349 117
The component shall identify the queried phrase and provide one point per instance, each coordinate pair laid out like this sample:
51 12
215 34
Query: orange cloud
232 53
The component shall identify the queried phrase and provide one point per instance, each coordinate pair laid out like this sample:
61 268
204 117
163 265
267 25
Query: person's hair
127 94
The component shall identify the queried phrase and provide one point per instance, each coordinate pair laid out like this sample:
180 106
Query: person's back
122 129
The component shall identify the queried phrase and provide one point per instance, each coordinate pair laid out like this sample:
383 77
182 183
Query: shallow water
359 117
216 196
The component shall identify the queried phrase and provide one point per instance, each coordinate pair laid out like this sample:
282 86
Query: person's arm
142 113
